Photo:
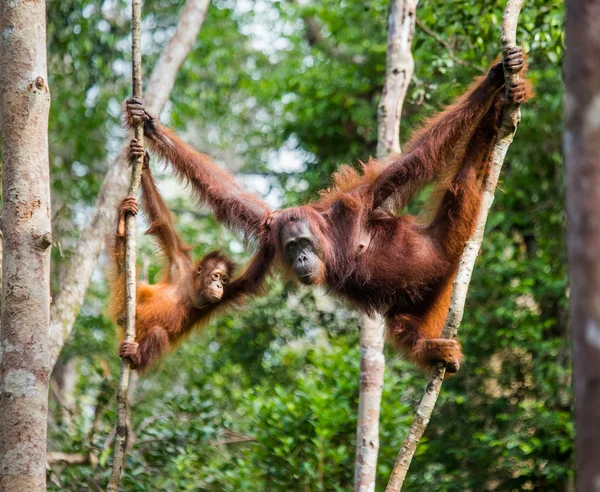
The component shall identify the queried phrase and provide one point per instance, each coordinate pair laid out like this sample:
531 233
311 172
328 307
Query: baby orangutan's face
212 277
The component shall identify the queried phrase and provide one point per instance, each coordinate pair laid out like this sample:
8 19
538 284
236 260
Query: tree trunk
76 275
24 107
399 71
372 371
582 153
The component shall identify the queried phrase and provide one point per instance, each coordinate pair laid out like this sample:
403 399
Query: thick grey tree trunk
582 153
24 107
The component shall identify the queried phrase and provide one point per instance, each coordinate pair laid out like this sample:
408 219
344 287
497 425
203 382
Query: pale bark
24 107
510 120
399 71
59 458
582 156
372 371
76 275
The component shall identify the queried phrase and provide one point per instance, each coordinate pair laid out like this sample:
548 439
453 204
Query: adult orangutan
187 294
350 239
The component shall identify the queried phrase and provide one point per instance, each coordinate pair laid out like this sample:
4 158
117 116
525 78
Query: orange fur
351 238
166 312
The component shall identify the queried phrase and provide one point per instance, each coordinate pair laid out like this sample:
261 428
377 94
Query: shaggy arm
441 143
231 206
252 280
162 227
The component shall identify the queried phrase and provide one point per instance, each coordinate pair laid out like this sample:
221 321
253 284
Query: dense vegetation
266 399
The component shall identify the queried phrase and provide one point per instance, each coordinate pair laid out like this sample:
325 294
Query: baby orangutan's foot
129 350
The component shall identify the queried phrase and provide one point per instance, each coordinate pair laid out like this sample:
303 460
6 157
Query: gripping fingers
453 366
129 204
135 150
135 111
129 350
517 91
513 62
444 350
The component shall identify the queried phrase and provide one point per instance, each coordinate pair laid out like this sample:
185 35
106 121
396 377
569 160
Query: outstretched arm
442 142
252 280
231 206
160 219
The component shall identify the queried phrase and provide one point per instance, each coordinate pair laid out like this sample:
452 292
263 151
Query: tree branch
399 71
449 48
510 121
76 275
130 254
57 457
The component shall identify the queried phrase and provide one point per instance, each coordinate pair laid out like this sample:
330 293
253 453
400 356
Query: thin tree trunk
510 121
24 107
130 271
64 382
76 275
582 155
398 73
399 70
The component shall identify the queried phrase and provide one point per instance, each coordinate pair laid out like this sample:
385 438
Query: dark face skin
300 246
212 277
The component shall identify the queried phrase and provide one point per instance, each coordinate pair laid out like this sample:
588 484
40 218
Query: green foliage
265 399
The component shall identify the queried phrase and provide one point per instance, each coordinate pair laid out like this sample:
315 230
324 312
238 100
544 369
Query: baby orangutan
187 294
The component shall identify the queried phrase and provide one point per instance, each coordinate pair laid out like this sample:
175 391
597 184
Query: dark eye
224 279
215 276
290 245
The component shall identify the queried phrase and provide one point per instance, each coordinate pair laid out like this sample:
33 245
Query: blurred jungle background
282 93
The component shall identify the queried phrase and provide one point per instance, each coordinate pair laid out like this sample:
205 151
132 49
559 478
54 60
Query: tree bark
372 371
510 121
582 155
24 107
76 275
399 71
130 255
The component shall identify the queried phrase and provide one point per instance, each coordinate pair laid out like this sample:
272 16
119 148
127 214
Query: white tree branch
399 71
510 120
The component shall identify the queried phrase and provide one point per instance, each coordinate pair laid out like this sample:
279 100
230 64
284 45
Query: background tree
399 68
582 153
27 237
